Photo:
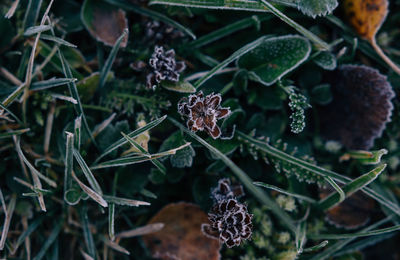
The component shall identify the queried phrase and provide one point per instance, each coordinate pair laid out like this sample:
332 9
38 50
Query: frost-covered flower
203 112
164 67
225 190
230 222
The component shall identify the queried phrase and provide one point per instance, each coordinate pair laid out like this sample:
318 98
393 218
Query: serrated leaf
316 8
182 158
181 86
325 60
275 57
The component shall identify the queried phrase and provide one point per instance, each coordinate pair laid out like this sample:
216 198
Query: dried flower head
225 190
164 67
157 31
230 222
360 108
203 112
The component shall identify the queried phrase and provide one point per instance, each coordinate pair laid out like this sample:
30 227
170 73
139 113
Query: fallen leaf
104 22
366 17
361 106
181 237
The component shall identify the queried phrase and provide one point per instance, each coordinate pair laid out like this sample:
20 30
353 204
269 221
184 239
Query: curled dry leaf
104 22
181 237
354 212
366 17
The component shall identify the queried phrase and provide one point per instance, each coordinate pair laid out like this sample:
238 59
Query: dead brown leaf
181 237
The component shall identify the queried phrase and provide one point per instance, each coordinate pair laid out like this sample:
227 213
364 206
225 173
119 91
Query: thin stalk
244 178
320 43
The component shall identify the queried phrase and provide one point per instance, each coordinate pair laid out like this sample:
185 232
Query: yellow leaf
366 16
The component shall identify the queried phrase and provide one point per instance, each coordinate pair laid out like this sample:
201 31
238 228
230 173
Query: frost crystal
164 67
298 103
203 113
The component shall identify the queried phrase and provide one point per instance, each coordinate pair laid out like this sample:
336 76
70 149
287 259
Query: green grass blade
87 234
110 60
156 162
245 49
282 156
12 133
91 193
330 251
132 134
152 14
11 114
295 195
77 132
36 29
356 235
128 160
57 40
227 30
352 187
339 192
69 162
32 13
125 202
31 228
306 33
74 93
244 178
87 172
50 240
241 5
111 218
316 247
51 83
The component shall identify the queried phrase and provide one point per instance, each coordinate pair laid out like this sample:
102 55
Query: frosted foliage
275 57
315 8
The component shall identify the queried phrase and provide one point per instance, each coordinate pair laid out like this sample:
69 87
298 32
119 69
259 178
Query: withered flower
360 108
203 112
230 222
164 67
225 190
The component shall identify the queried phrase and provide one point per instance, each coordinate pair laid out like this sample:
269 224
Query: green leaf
69 162
275 57
51 83
183 158
72 196
12 133
57 40
104 22
350 188
181 86
322 94
36 29
133 134
295 195
326 60
128 160
125 202
111 57
87 86
241 5
365 157
310 168
88 174
316 8
50 240
245 49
